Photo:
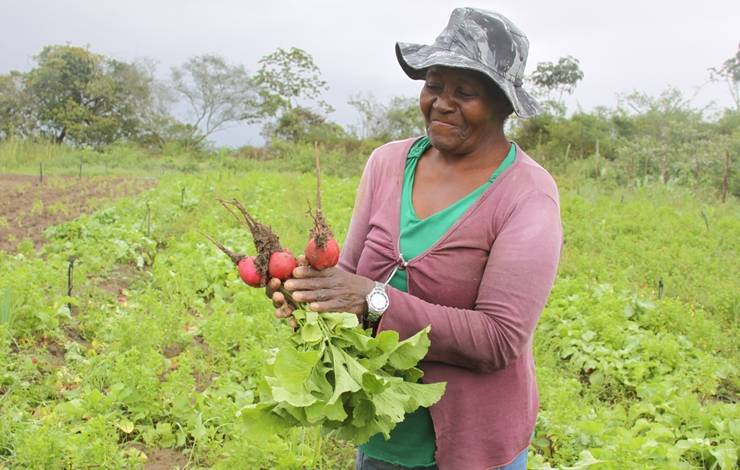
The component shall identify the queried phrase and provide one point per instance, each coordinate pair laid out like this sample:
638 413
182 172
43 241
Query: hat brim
415 59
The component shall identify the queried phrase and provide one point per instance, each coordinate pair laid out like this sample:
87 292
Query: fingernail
314 306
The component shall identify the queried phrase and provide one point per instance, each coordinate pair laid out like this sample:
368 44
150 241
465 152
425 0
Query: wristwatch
377 302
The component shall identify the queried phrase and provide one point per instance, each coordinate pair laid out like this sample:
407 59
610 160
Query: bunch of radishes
272 260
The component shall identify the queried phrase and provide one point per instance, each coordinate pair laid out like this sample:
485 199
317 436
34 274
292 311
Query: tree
397 119
16 114
729 72
560 77
300 124
87 98
287 77
217 93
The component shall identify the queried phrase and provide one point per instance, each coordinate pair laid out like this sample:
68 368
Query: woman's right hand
283 309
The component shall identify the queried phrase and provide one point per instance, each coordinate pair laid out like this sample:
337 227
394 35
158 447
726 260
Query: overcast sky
622 45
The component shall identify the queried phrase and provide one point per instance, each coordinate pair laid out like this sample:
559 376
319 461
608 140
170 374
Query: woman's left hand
330 290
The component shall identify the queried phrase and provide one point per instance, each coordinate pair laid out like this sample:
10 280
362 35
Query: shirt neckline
416 151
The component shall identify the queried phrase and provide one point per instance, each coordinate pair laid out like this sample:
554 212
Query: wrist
377 302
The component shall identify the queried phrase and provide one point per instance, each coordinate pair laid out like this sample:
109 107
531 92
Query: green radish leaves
334 374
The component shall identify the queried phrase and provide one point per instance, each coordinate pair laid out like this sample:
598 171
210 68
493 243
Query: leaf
424 395
585 460
299 398
320 410
260 419
391 404
356 338
412 375
371 382
726 455
125 425
343 320
343 381
288 380
386 341
318 383
362 413
374 384
410 351
310 331
292 367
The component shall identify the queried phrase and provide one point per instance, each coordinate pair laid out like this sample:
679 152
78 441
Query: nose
443 102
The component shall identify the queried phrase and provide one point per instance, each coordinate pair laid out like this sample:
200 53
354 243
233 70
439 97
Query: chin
443 143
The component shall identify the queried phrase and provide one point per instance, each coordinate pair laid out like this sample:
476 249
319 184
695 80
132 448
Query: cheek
425 104
479 114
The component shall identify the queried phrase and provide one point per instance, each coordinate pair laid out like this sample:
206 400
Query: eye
433 86
467 92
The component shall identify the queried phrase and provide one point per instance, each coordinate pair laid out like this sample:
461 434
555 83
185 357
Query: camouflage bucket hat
478 40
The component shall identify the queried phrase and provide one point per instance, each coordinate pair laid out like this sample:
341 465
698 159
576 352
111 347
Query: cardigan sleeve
359 223
516 282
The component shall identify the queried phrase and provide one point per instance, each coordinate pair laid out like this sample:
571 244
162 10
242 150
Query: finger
293 324
334 305
304 284
278 299
302 261
272 286
316 295
284 312
320 307
307 272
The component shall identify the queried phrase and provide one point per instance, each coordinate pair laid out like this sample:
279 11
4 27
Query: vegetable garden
148 350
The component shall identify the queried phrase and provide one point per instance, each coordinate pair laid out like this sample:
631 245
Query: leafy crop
336 375
165 347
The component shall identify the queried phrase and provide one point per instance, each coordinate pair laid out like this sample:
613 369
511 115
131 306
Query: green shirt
412 441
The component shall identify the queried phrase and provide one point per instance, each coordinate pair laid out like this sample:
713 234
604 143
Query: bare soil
28 206
165 459
162 459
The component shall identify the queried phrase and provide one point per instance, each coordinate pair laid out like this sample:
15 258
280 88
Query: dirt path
27 207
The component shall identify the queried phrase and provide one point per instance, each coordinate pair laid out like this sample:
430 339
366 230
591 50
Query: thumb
302 261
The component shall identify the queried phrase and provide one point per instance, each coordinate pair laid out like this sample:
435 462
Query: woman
459 230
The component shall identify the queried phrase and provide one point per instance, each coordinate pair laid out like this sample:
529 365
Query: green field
163 345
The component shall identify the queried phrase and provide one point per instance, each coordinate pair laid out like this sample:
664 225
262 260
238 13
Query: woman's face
460 110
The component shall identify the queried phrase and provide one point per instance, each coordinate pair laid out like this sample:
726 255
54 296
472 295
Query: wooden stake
70 270
726 177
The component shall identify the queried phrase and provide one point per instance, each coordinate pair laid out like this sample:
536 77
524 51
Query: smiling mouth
441 123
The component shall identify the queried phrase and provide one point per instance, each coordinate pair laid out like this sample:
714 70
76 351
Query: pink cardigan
481 287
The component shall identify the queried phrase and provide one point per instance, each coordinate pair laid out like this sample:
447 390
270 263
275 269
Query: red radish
322 250
282 264
248 272
322 258
265 240
245 264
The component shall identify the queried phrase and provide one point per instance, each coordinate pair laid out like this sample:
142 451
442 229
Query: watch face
378 301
